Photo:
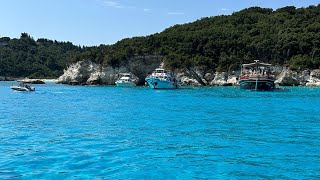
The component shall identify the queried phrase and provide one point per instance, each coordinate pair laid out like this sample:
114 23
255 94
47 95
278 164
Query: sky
95 22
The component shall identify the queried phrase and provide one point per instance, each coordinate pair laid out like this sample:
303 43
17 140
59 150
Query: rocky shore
26 80
87 72
4 78
31 81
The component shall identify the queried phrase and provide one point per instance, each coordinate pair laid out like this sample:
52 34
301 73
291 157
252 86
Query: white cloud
175 13
147 10
113 4
117 5
224 9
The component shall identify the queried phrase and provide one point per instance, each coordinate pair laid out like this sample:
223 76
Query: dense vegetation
287 36
25 57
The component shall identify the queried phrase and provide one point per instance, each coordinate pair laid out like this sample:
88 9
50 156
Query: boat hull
18 88
125 84
260 85
156 83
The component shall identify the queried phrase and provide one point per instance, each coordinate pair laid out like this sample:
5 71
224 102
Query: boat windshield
124 78
22 84
159 71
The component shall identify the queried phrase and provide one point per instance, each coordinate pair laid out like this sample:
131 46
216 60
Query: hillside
286 36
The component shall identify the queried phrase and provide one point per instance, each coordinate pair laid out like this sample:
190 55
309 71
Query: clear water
138 133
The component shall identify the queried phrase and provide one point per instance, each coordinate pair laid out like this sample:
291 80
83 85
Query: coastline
49 80
29 80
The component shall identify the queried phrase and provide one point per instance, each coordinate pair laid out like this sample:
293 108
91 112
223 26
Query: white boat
126 80
22 87
162 79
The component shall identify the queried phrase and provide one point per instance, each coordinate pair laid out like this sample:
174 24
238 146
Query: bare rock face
79 72
292 78
220 78
315 73
94 79
225 79
195 76
186 78
288 78
142 66
87 72
209 76
314 79
232 80
31 81
198 76
109 75
313 82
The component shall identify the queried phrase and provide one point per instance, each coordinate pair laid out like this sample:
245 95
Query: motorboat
256 76
162 79
126 80
22 87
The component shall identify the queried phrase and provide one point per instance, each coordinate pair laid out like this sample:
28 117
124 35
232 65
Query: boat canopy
256 64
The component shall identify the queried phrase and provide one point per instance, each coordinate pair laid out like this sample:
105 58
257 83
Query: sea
108 132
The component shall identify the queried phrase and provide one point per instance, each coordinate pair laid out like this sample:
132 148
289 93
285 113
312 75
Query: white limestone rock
220 79
288 78
79 72
233 80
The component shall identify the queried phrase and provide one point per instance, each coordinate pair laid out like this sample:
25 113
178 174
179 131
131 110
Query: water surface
108 132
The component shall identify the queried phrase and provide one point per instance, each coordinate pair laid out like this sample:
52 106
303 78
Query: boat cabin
160 71
256 76
126 77
256 70
163 74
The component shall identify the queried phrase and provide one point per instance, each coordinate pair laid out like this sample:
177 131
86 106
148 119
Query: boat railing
249 76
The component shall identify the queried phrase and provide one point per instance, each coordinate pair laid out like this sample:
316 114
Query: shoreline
28 79
48 80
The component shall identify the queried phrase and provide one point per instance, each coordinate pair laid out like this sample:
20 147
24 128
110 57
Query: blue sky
94 22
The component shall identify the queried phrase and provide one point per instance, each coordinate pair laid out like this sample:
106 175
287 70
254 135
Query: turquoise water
138 133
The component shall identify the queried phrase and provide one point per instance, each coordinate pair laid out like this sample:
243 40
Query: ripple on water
63 132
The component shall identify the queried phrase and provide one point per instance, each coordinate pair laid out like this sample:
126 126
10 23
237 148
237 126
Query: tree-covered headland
287 36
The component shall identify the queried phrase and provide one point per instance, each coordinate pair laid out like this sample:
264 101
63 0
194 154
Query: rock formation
4 78
87 72
314 79
292 78
225 79
31 81
79 73
195 76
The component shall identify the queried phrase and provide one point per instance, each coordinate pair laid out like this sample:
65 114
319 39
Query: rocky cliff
87 72
314 79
